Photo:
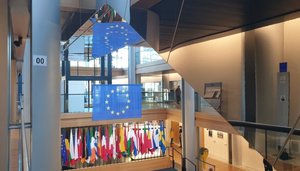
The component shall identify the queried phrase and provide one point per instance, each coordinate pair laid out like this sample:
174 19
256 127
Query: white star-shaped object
122 27
117 25
116 92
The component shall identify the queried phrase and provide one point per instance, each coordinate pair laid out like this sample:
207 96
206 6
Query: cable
175 31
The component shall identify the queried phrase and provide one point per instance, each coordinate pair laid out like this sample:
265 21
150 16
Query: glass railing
74 103
78 103
202 105
269 140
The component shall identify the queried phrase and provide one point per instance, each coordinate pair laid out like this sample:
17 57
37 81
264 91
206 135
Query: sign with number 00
39 60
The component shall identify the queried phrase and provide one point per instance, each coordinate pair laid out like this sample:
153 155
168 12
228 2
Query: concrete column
131 65
188 124
45 88
4 84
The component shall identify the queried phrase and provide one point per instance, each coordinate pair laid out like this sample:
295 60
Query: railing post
266 144
183 164
286 140
173 160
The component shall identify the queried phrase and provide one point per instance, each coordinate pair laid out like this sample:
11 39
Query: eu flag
109 37
117 101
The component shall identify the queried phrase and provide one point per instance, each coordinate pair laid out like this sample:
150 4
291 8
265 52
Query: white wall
274 44
292 55
217 147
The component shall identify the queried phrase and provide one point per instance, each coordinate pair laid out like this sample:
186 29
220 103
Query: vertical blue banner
117 101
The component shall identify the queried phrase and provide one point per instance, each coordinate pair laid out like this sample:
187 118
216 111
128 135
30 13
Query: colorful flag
68 151
162 142
88 146
93 145
72 148
99 141
83 157
122 140
114 151
79 143
64 155
118 151
156 139
104 144
76 144
117 101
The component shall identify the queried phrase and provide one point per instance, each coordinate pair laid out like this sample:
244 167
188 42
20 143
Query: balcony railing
274 142
78 103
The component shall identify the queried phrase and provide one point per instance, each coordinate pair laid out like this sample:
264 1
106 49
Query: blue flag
117 101
109 37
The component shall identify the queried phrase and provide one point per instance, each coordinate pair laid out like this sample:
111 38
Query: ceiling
206 19
200 19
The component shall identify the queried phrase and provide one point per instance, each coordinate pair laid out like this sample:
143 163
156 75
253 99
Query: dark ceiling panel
203 18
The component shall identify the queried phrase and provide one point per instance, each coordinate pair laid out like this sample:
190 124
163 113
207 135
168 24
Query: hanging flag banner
117 101
109 37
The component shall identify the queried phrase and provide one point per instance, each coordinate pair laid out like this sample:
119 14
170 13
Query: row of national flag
88 144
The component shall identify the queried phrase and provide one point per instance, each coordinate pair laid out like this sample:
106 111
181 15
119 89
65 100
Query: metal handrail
182 158
214 166
191 163
268 127
24 143
19 125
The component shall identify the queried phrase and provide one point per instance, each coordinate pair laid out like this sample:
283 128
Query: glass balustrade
268 142
78 102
